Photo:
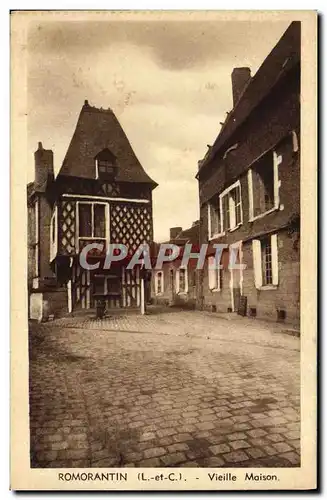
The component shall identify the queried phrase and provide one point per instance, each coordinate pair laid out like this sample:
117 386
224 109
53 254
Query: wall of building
269 128
31 240
169 296
285 296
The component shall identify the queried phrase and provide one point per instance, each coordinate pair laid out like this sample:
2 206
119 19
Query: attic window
105 163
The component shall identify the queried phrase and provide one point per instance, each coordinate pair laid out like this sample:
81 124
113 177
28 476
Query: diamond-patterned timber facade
130 224
68 227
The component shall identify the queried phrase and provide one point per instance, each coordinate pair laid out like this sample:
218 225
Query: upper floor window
225 213
53 233
231 206
263 185
106 164
92 220
213 217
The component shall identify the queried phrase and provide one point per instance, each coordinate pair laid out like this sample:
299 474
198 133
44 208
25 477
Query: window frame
232 208
106 174
216 274
178 281
212 236
159 275
277 160
105 239
259 269
54 234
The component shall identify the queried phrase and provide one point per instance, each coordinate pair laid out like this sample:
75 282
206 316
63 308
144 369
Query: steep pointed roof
96 130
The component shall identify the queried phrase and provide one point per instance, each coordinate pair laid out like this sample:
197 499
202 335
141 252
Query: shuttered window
265 261
215 275
231 203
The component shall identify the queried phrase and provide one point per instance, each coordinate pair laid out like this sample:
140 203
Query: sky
168 82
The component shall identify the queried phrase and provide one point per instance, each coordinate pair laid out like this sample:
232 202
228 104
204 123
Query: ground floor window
265 261
215 275
159 283
181 280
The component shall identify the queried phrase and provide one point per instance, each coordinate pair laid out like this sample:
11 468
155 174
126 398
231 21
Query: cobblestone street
172 388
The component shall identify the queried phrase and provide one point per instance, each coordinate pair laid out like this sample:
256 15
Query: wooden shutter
177 281
250 187
257 267
277 161
274 259
212 274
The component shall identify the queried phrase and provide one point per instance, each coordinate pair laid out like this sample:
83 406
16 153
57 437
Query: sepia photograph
163 202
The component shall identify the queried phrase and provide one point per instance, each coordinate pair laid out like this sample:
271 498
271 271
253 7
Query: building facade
101 195
175 284
249 191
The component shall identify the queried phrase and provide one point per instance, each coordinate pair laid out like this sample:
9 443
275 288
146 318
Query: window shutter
209 220
257 268
218 274
177 281
212 274
250 186
274 259
277 161
156 284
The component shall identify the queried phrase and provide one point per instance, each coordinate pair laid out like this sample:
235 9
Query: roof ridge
87 107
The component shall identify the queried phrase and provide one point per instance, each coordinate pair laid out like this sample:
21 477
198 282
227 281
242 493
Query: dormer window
106 165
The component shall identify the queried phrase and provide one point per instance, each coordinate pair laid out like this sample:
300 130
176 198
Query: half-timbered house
101 195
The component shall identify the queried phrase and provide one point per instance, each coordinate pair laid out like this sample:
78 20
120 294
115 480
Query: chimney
174 232
43 166
240 78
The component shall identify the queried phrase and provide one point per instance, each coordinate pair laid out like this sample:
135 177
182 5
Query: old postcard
163 189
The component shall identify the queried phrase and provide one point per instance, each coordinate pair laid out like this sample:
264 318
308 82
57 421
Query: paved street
188 389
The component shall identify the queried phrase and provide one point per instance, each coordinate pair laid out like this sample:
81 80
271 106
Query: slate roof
96 130
283 57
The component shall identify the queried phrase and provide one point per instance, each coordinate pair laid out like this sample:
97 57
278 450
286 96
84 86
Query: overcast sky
167 82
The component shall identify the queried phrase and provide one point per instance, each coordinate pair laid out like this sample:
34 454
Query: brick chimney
174 232
240 78
43 167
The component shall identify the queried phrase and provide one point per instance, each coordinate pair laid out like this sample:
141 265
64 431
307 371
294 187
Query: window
36 241
231 207
264 185
159 283
53 234
105 167
181 280
92 219
105 163
215 275
213 218
265 261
